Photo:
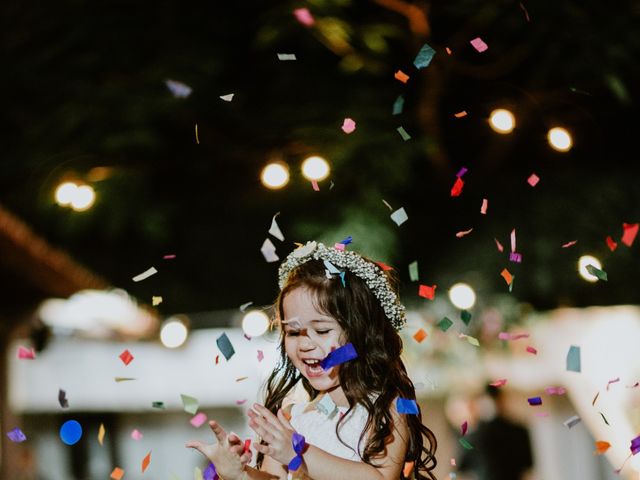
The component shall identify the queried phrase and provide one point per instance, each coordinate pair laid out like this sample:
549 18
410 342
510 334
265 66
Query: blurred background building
159 158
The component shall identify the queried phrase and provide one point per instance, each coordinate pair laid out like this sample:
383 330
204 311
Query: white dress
319 428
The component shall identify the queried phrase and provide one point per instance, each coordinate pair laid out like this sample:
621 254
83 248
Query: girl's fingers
219 432
246 457
203 448
264 449
283 419
267 415
233 439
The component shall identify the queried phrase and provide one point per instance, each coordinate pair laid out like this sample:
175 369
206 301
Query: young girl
334 301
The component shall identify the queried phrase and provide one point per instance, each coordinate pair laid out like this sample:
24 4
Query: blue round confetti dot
70 432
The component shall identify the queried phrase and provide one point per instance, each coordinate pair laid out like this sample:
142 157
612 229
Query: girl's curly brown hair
378 369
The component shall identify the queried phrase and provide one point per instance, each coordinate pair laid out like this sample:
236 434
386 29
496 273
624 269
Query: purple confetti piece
210 473
298 443
635 445
461 172
533 401
340 355
515 257
407 406
16 435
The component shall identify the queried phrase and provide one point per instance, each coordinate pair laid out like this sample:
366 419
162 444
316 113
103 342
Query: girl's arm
320 465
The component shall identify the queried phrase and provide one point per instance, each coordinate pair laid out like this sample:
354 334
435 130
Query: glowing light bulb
585 260
65 193
502 121
315 168
173 333
560 139
83 198
255 323
275 175
462 296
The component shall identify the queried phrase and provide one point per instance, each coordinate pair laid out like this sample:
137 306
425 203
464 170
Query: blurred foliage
85 89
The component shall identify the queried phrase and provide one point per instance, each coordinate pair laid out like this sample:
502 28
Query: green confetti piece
445 324
159 405
465 316
600 274
403 133
513 277
413 271
398 105
190 404
465 444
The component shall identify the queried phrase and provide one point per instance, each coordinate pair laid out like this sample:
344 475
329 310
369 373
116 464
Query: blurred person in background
501 448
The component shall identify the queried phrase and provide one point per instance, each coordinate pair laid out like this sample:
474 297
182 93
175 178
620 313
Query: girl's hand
276 431
227 455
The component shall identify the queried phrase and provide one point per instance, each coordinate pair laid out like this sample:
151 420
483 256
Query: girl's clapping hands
276 431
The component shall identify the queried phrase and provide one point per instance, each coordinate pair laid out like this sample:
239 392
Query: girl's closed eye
292 333
323 332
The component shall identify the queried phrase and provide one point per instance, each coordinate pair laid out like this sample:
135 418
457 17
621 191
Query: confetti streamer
464 233
615 380
144 275
197 139
299 445
569 244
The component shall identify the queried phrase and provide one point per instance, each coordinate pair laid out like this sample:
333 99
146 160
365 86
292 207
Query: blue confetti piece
534 401
210 473
71 432
347 240
573 359
424 57
224 344
344 284
339 355
407 406
298 442
16 435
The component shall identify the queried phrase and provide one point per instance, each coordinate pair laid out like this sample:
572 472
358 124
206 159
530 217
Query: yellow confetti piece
241 379
197 474
472 340
156 301
197 139
101 432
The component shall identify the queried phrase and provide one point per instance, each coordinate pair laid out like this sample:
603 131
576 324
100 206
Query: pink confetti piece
303 15
461 172
339 246
555 390
542 414
136 435
485 205
512 336
526 14
453 462
499 383
615 380
198 420
513 240
260 355
348 125
635 385
532 350
26 353
169 257
569 244
241 402
464 428
315 186
463 233
479 45
499 245
533 179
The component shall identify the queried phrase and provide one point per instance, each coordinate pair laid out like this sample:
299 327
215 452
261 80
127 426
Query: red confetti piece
247 445
611 243
499 383
532 350
169 257
384 266
126 357
427 291
303 15
464 428
570 244
456 190
630 232
217 359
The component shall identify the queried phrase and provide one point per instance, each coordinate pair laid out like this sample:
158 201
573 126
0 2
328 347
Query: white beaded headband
368 271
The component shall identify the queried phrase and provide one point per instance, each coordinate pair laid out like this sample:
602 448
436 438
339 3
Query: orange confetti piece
463 233
630 232
408 467
427 291
507 276
117 473
146 461
601 447
400 75
460 114
420 335
448 50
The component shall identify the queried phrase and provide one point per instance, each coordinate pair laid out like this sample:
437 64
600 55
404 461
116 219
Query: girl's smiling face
310 336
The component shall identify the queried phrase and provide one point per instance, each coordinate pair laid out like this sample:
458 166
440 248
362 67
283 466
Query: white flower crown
368 271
